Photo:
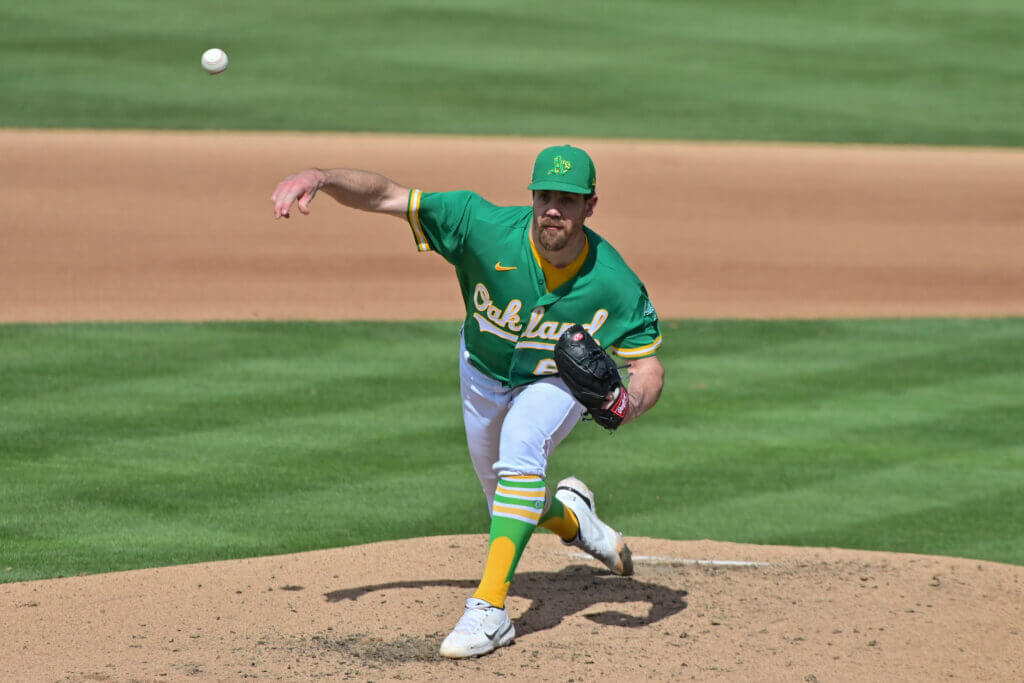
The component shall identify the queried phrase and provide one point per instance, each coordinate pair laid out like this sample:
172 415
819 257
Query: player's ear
591 203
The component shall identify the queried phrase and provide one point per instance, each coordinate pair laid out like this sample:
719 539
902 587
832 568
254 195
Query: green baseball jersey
512 321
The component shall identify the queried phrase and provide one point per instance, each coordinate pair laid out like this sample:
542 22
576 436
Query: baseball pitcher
546 297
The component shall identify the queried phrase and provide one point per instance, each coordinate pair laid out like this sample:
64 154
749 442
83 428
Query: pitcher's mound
694 609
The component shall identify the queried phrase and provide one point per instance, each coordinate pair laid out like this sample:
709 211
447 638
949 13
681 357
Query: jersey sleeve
440 221
644 338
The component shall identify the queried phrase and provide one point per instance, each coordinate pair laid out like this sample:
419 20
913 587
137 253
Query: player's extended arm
646 378
357 189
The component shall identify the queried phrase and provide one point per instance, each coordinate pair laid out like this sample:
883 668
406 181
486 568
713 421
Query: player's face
558 217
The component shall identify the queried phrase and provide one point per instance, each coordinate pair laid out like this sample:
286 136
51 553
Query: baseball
214 60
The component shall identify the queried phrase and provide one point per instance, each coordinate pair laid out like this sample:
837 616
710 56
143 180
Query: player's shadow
555 595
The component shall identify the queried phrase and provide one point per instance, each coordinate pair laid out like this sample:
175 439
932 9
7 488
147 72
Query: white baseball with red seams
214 60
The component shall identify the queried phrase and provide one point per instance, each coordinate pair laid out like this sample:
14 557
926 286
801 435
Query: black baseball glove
591 376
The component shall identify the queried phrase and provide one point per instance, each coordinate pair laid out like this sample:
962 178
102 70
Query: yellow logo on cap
561 167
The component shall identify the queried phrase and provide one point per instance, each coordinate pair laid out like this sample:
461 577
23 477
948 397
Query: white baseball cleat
483 628
595 537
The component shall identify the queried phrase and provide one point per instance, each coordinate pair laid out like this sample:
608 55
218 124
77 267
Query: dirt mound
380 611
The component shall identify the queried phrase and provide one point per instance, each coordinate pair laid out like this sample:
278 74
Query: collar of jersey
554 273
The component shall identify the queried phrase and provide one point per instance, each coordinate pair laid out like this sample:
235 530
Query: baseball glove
591 376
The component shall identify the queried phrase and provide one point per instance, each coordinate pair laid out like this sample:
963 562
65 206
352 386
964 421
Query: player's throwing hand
302 186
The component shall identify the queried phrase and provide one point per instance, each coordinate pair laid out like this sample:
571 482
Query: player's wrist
321 177
621 403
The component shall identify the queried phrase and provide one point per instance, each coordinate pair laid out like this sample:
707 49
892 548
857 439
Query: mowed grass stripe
129 445
193 497
73 384
917 71
938 416
834 499
106 531
988 525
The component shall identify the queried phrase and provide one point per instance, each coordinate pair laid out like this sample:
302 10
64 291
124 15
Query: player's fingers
282 188
285 204
282 205
610 399
277 191
287 197
301 186
305 199
282 202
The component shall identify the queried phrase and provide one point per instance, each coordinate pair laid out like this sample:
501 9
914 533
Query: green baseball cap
564 168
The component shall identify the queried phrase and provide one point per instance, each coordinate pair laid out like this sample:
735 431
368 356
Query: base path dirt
178 226
145 226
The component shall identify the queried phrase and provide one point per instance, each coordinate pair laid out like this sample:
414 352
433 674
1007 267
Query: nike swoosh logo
490 636
501 268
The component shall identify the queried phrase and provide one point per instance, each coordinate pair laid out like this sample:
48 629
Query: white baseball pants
513 431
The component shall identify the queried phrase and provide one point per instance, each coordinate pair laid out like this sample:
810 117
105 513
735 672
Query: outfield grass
893 71
135 445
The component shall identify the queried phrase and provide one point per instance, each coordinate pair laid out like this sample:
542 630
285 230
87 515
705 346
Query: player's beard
553 240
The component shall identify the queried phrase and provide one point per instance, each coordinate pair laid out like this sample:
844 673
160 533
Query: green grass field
134 445
893 71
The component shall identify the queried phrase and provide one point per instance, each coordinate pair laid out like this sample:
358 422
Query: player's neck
564 256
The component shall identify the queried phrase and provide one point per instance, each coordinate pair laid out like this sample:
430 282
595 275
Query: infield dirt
143 226
171 226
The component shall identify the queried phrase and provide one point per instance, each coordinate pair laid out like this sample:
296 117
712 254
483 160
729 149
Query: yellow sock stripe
522 513
525 494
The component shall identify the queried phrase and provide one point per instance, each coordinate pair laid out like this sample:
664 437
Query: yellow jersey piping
422 243
638 352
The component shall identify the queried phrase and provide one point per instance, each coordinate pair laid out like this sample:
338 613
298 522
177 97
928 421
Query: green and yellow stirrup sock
518 505
560 519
